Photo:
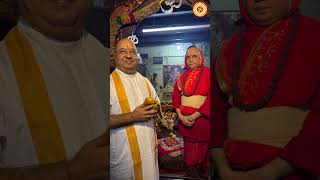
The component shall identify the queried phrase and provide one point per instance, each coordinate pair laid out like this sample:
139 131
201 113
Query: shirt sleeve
218 118
303 151
176 97
205 107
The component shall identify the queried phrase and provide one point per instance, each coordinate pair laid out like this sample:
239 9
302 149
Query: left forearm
196 115
277 169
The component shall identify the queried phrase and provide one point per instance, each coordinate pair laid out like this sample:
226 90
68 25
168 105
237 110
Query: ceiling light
176 28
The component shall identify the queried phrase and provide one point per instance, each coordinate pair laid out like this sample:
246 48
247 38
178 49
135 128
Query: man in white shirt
52 95
133 152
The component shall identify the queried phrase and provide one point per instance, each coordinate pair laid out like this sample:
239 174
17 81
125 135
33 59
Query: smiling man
52 84
133 152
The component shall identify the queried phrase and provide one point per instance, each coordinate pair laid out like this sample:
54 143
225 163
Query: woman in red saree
191 100
268 124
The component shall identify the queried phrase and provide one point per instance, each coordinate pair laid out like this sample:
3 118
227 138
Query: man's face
126 56
266 12
193 58
57 12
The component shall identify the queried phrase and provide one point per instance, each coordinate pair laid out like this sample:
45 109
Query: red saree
298 86
196 138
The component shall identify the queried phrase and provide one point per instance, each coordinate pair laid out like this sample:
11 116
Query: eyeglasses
123 52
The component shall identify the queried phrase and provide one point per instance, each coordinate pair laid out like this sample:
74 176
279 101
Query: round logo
200 9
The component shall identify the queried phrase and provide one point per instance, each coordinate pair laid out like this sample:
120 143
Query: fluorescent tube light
176 28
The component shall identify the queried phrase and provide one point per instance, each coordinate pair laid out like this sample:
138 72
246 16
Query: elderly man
52 108
268 127
191 100
133 152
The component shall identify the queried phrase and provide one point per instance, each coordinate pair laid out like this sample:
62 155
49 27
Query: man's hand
140 113
276 169
249 175
256 174
91 161
143 113
186 120
189 120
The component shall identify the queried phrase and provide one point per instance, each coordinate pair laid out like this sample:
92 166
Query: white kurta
74 74
120 156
